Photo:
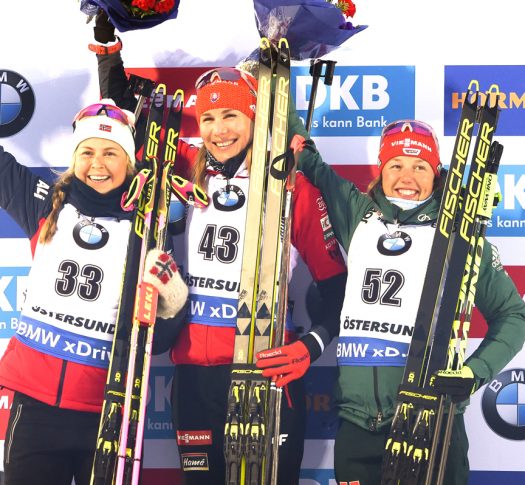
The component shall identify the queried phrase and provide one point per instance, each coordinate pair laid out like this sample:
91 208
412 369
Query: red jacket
57 382
315 241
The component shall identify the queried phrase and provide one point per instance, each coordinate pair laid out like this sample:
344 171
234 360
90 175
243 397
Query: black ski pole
141 87
317 72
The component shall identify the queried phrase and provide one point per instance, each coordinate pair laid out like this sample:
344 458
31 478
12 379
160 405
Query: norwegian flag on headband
133 14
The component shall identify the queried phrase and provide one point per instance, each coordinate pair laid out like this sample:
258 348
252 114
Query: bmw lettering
503 404
229 199
17 103
90 235
394 244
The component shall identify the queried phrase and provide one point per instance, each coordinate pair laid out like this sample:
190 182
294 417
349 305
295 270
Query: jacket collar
422 214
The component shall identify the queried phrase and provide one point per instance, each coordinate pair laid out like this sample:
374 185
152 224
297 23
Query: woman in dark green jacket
387 234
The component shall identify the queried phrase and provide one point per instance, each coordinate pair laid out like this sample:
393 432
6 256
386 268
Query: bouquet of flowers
133 14
313 28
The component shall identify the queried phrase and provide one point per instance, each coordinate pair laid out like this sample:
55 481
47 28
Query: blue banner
361 101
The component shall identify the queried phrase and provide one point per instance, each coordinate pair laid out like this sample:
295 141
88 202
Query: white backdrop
409 63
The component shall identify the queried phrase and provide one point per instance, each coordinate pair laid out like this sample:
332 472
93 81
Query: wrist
107 48
311 342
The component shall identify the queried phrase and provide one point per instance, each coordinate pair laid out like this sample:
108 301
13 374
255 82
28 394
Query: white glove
162 272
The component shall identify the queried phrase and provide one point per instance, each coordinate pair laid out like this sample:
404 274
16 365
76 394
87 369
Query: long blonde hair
60 191
199 168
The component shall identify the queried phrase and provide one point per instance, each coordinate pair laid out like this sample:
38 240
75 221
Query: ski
234 431
141 339
411 446
458 340
114 393
119 443
246 439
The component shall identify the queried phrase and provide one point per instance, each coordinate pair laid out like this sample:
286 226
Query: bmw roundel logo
394 244
503 404
229 199
17 103
90 235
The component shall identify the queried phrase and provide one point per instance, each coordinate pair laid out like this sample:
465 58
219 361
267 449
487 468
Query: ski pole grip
318 69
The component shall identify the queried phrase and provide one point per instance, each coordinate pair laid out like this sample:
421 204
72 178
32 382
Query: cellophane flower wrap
134 14
313 28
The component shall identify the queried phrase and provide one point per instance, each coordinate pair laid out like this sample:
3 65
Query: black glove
104 30
457 384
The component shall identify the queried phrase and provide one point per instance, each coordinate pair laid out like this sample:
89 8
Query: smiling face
225 132
101 164
407 178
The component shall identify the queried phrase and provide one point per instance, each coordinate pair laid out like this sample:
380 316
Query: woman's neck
229 167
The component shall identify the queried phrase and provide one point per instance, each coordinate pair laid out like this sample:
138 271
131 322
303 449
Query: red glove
287 363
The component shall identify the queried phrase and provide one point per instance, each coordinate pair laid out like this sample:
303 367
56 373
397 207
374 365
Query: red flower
143 4
164 6
347 7
151 7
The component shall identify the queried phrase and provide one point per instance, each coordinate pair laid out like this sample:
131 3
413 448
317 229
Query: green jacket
366 396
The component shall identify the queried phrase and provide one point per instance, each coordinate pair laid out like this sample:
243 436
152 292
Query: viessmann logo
194 438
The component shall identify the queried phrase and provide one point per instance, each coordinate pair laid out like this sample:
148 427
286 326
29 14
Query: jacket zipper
61 383
11 432
375 422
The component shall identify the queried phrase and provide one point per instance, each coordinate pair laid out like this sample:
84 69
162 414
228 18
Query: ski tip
265 43
283 43
160 89
177 101
473 86
493 94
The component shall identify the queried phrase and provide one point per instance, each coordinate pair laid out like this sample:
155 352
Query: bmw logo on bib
229 199
90 235
394 244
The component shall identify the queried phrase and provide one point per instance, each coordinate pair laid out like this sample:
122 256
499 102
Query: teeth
98 178
407 192
224 143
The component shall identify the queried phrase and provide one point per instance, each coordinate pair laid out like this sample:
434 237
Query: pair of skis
118 452
417 447
252 424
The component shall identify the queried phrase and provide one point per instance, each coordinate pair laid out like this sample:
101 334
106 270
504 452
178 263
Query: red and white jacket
213 273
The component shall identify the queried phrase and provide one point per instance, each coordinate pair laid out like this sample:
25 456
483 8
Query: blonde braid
59 195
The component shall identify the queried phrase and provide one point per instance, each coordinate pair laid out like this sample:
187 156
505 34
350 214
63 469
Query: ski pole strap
416 395
188 192
289 162
132 195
